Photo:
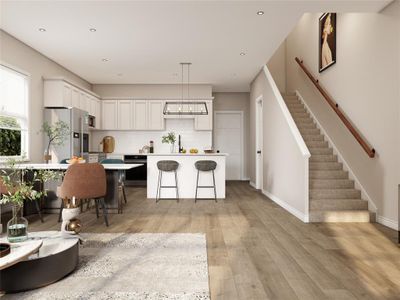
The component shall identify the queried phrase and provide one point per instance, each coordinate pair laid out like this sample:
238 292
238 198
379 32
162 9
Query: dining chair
85 181
121 179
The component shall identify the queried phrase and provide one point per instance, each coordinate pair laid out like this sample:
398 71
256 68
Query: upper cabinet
155 115
109 115
140 117
60 93
204 122
125 113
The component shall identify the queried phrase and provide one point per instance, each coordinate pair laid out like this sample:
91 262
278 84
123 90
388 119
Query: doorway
259 143
228 138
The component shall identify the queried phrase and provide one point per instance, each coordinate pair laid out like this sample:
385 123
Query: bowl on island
76 160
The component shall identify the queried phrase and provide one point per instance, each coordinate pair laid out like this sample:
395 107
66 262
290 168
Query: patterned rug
134 266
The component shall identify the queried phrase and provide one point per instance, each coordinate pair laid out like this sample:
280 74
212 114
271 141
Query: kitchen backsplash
132 141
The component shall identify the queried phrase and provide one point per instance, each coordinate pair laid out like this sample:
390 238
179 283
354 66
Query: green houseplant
170 138
17 186
55 136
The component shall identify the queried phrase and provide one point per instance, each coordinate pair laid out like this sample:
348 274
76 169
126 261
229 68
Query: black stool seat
167 166
205 166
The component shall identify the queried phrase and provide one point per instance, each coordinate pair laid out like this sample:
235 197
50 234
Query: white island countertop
171 154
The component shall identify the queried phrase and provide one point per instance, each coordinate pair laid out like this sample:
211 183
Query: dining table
115 178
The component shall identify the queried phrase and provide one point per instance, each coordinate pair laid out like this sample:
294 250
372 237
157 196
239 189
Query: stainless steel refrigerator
77 143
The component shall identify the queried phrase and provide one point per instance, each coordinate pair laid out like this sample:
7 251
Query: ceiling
144 41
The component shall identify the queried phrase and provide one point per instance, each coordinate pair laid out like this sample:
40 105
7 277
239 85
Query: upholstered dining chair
85 181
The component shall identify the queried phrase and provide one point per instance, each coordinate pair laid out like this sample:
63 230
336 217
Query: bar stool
167 166
205 166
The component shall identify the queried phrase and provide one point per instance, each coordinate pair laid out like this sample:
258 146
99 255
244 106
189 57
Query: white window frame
26 141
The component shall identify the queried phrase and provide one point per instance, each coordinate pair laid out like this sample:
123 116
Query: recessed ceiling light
260 12
119 74
242 54
92 29
105 59
42 29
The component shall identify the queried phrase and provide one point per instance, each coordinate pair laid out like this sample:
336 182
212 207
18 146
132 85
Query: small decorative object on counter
70 225
170 138
108 144
151 147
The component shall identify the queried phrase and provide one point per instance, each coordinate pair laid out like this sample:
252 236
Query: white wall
238 102
277 66
131 141
17 54
365 82
285 161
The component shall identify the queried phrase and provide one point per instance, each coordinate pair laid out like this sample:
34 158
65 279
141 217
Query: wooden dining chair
85 181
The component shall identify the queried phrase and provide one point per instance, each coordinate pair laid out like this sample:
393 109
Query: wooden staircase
333 197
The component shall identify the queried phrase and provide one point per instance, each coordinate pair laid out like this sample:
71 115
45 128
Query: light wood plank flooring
257 250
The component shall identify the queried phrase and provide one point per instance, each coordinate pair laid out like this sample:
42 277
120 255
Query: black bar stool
167 166
206 166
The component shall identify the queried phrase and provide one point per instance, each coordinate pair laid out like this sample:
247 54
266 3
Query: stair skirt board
333 194
294 211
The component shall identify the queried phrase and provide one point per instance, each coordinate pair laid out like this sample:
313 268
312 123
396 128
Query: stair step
292 101
310 131
300 114
319 151
326 165
299 120
331 184
335 194
358 216
313 137
306 126
338 204
317 144
323 158
297 108
331 174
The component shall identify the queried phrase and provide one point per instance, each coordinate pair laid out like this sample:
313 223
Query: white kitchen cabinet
57 94
67 96
125 112
98 114
205 122
140 114
109 115
75 97
92 106
155 119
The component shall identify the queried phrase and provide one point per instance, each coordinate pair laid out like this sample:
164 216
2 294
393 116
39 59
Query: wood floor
257 250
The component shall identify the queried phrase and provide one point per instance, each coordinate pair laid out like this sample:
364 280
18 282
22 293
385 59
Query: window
13 113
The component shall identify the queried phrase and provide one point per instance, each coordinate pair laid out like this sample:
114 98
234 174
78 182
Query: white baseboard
387 222
245 179
303 217
253 184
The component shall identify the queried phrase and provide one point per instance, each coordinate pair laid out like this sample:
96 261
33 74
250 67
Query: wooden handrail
370 151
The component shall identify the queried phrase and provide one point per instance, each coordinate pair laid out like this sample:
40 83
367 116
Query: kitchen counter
187 175
170 154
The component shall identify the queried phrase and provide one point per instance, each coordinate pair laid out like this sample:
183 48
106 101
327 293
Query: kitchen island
187 175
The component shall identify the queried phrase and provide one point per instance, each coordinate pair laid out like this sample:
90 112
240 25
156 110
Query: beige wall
277 67
17 54
365 82
151 90
239 102
285 166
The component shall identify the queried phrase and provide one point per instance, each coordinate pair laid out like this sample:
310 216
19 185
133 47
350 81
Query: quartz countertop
172 154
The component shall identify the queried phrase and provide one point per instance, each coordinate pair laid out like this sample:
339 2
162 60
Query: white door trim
259 146
241 135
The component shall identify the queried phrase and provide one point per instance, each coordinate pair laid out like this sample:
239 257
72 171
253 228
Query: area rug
134 266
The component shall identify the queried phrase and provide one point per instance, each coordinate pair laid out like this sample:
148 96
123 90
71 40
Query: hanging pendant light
185 107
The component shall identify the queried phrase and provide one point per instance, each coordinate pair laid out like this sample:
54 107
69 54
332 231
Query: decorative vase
70 224
47 157
17 227
173 148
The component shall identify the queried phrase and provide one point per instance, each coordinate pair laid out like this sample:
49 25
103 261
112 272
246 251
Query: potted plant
55 134
15 190
170 138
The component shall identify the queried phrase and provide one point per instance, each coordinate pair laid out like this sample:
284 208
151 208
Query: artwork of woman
327 53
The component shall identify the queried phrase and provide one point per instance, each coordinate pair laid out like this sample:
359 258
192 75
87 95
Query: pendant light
185 106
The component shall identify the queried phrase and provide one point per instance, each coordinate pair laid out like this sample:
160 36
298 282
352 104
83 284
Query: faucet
180 144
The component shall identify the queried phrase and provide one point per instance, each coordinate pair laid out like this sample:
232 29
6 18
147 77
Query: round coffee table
56 258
